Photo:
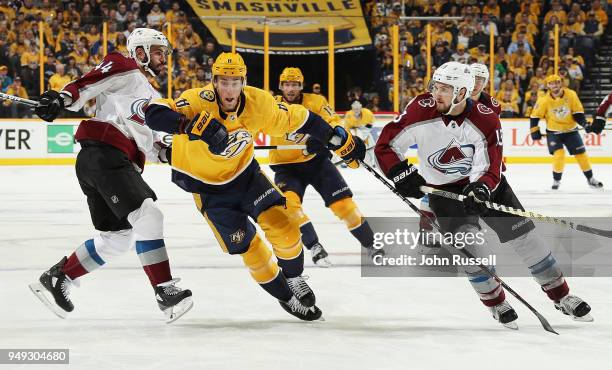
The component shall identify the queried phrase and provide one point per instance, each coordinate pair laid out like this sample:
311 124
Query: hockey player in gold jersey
563 112
359 121
212 158
296 169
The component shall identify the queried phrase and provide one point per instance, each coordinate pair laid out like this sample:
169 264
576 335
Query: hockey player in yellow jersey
212 158
359 121
296 169
563 112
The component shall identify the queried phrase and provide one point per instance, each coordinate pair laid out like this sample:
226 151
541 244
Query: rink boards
35 142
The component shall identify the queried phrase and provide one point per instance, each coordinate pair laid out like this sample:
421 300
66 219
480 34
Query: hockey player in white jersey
114 147
460 150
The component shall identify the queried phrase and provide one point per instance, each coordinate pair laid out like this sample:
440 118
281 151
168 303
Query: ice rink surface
371 323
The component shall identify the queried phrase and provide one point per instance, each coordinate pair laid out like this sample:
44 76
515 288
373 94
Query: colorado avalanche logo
494 102
237 142
137 108
428 102
484 109
455 158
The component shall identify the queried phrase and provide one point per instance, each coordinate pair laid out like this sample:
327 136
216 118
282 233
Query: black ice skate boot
53 289
574 307
297 309
172 300
505 314
319 255
302 291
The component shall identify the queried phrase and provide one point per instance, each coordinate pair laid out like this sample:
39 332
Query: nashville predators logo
454 158
561 112
137 109
237 237
296 138
207 95
238 141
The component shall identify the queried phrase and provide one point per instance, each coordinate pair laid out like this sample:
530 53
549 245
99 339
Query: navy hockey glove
535 133
596 126
314 146
407 180
208 129
50 105
476 193
347 146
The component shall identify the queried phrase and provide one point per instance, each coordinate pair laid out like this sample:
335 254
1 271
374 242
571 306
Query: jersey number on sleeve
104 67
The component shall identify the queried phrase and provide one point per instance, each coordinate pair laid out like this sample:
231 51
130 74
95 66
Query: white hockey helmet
145 38
356 107
457 75
480 70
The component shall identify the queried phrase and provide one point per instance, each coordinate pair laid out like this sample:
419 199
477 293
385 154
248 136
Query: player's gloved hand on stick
49 106
536 134
476 193
348 147
314 146
596 126
206 128
407 180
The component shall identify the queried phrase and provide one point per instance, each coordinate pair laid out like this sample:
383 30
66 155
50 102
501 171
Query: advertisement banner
31 141
295 27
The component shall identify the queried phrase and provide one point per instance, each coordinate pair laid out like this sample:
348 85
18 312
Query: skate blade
324 263
41 293
177 311
511 325
585 318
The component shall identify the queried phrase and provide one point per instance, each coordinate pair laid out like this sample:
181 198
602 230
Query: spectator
574 72
441 54
5 79
155 17
59 79
316 88
17 110
460 55
520 39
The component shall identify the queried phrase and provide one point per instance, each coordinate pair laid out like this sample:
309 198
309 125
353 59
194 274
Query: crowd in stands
72 38
523 43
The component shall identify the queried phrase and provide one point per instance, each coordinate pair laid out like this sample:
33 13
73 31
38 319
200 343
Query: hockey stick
280 147
342 161
17 99
517 212
545 324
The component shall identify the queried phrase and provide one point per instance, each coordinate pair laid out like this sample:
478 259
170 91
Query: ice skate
297 309
575 307
555 185
319 256
53 290
505 314
172 300
594 183
302 291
